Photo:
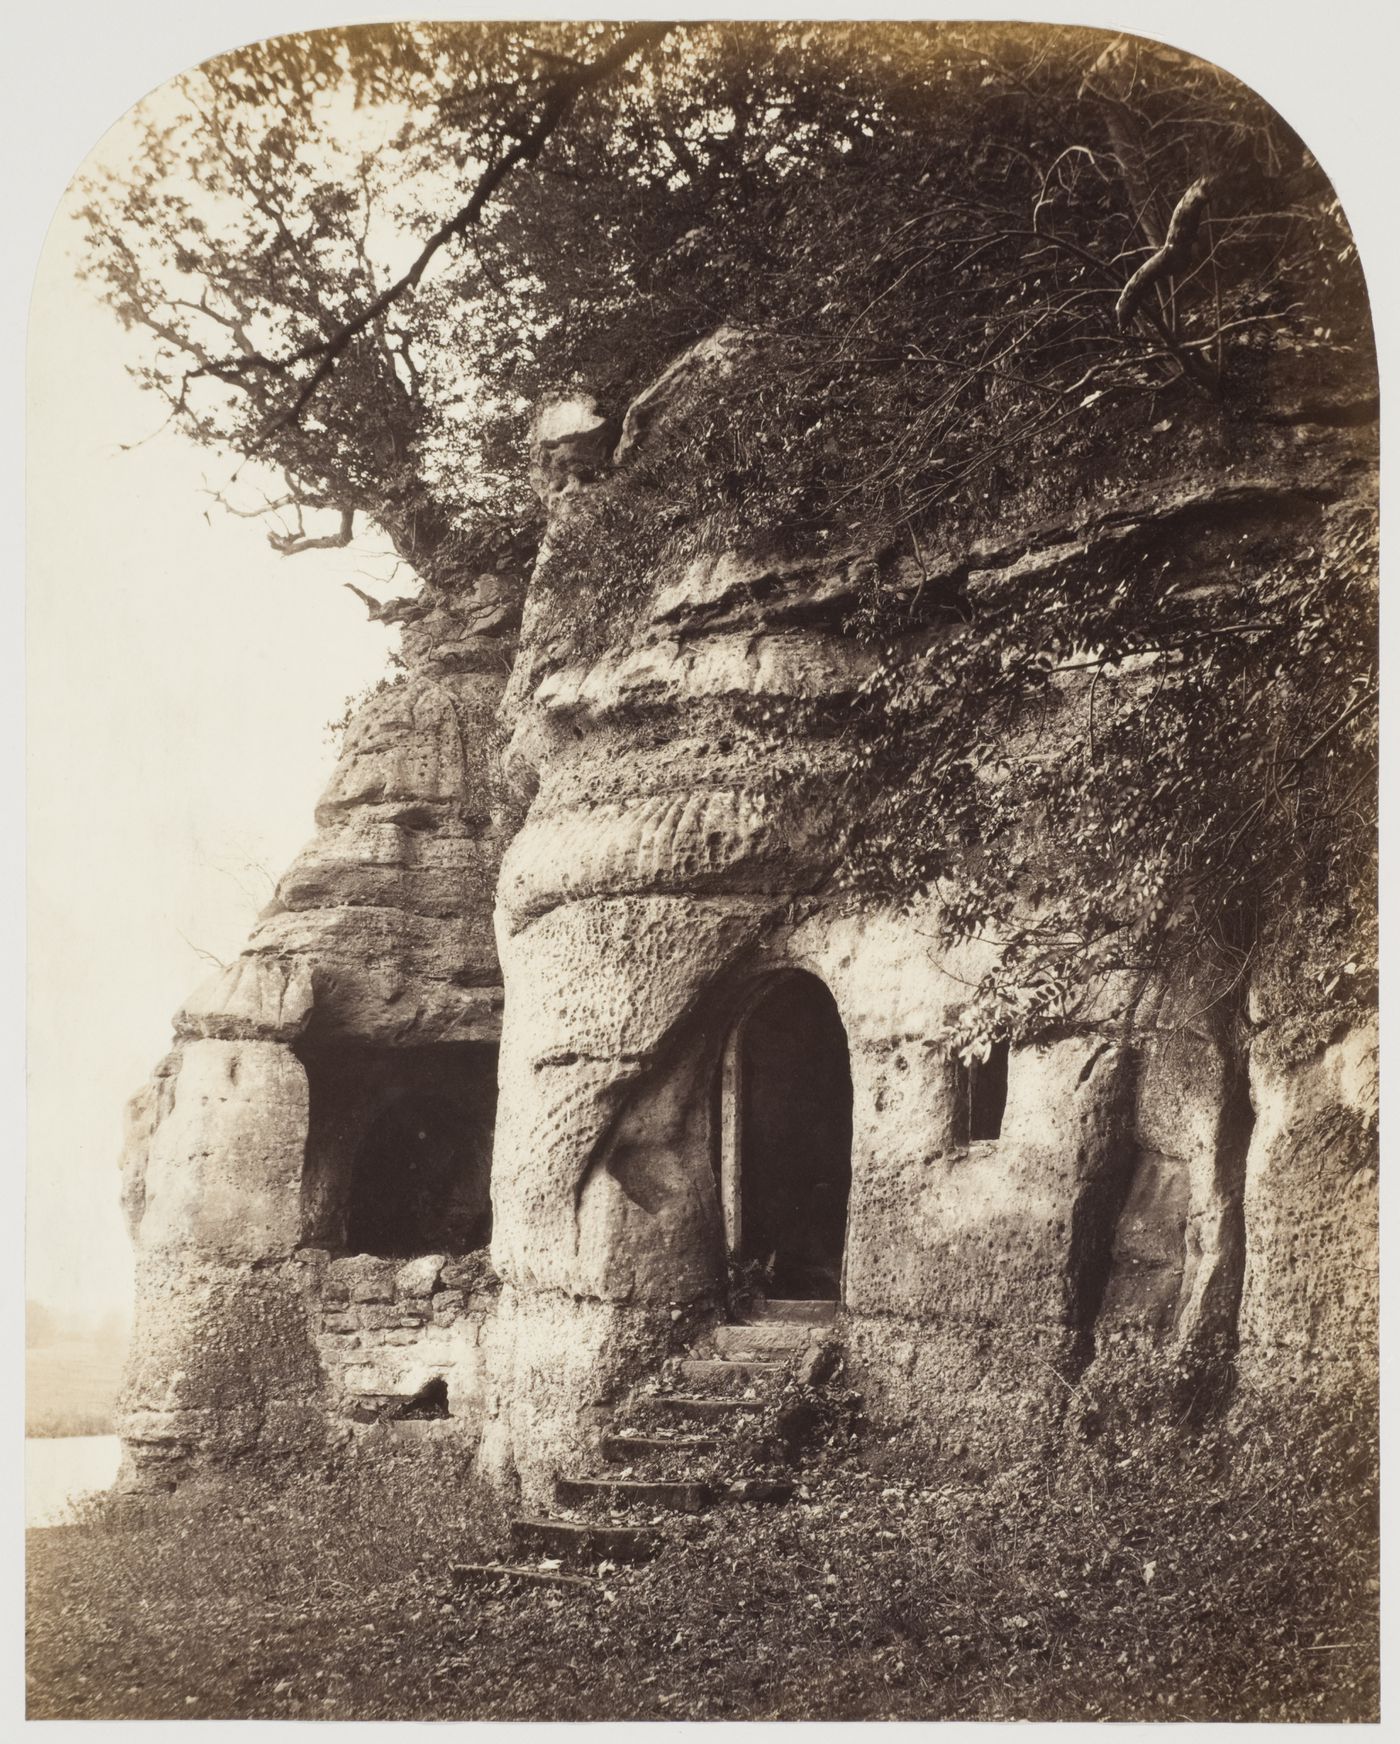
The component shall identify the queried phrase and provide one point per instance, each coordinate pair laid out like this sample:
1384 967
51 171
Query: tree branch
292 544
560 98
1171 256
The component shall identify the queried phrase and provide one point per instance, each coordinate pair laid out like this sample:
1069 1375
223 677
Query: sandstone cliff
371 976
1177 1183
691 799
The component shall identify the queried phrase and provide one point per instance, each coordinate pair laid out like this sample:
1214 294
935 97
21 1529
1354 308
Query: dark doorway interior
986 1093
398 1156
414 1183
795 1137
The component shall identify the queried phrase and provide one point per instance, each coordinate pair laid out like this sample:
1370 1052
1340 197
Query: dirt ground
1235 1580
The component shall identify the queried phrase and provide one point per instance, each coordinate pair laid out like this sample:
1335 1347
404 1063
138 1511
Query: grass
1233 1578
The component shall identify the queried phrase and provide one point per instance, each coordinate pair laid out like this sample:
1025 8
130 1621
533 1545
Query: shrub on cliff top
982 272
959 247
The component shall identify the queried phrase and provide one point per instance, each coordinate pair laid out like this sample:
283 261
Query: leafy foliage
981 275
1230 1576
1140 767
929 225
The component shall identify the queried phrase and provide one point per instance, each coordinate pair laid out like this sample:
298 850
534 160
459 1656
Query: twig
559 100
199 951
291 544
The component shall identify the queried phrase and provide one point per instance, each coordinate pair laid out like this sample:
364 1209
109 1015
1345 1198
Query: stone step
817 1312
575 1541
619 1449
710 1369
697 1408
480 1574
765 1338
679 1495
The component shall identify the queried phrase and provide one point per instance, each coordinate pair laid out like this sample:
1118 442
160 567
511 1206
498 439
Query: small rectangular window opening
986 1093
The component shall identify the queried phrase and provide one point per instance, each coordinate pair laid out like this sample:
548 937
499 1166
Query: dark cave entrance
398 1153
786 1137
985 1083
414 1184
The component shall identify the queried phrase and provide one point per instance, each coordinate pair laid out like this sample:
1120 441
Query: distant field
71 1388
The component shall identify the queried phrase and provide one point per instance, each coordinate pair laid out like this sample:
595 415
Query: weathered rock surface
695 375
419 1277
1146 1196
223 1167
377 946
251 999
688 810
1309 1314
221 1359
572 442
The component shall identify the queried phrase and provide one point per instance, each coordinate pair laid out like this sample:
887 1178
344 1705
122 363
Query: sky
180 674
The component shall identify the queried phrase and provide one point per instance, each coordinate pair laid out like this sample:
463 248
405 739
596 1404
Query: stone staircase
683 1443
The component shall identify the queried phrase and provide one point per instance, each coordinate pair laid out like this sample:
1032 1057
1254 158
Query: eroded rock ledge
1147 1196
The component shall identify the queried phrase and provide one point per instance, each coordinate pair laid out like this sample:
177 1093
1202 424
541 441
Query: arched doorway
785 1136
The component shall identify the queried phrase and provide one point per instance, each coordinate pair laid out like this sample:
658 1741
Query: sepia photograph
703 986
